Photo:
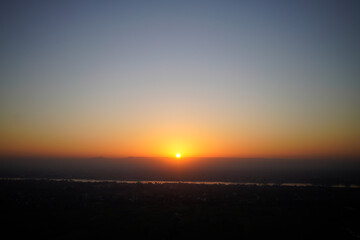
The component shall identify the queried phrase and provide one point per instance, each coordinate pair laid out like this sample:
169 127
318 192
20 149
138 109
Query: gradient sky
204 78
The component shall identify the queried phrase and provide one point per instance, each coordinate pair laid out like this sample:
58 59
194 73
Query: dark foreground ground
69 210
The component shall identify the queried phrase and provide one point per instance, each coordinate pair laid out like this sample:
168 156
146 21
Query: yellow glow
178 155
166 134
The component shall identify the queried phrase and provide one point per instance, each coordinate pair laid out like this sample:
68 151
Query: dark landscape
106 210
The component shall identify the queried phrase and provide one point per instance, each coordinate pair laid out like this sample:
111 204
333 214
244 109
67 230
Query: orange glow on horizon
190 139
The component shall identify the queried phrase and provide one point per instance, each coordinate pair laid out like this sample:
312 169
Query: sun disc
178 155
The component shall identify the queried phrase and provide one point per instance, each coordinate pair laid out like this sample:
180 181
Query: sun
178 155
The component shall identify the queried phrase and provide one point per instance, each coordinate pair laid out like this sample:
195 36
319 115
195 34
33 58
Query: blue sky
225 77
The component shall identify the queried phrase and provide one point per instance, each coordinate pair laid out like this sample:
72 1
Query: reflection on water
190 182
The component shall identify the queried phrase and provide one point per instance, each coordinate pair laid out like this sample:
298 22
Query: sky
200 78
